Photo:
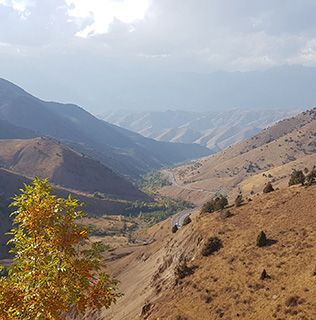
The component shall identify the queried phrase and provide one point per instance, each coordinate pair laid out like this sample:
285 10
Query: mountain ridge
82 131
215 130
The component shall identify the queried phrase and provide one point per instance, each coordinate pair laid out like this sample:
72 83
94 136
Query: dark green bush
182 271
311 177
264 275
262 239
268 188
297 177
218 203
212 245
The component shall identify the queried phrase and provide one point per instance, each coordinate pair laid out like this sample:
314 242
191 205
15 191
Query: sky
100 53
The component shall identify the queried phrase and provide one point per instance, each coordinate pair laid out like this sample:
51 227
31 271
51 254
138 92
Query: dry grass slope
226 284
274 152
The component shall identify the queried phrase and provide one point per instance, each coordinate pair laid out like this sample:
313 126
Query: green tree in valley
55 270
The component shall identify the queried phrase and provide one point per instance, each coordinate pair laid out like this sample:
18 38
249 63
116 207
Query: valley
143 200
157 160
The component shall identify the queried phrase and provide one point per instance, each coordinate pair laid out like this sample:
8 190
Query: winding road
174 182
179 217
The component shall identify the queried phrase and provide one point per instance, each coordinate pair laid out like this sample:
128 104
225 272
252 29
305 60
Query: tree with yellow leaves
55 270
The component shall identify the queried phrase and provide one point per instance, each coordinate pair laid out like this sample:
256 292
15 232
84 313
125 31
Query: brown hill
11 182
226 284
121 150
269 156
63 166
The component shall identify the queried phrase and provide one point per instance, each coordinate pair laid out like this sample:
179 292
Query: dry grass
227 284
269 156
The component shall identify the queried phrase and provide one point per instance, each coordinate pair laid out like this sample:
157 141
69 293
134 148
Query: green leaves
55 268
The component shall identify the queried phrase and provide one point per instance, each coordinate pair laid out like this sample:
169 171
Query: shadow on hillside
270 242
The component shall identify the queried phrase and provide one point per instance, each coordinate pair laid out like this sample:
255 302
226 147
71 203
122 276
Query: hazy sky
57 48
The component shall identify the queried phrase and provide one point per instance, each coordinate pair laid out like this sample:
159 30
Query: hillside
11 182
120 150
215 130
45 158
248 166
226 284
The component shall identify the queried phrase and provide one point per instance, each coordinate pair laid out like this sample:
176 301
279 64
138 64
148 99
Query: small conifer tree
262 239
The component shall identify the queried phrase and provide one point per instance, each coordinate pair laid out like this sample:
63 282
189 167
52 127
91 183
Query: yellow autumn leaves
54 261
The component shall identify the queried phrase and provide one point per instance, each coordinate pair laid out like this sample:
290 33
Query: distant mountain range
271 155
215 130
124 152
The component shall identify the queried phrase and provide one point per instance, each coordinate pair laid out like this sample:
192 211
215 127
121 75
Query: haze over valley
157 160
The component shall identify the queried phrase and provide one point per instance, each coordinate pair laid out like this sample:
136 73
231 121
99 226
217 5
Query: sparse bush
174 229
239 200
183 270
218 203
207 207
268 188
226 214
264 275
262 239
187 220
297 177
212 245
311 177
293 301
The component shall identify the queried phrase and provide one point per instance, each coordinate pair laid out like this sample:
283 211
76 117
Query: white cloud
103 13
21 6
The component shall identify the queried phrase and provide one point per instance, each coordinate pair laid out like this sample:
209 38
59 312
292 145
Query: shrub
293 301
239 200
264 275
262 239
311 177
268 188
187 220
297 177
218 203
174 229
226 214
182 271
212 245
